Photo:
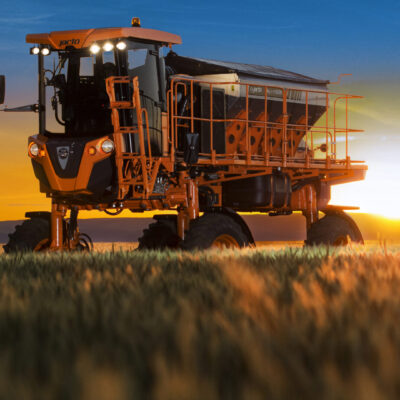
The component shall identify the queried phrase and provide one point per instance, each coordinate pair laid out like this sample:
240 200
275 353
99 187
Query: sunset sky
317 38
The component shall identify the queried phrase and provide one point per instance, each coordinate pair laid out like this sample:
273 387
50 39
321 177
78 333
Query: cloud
234 25
247 26
29 19
339 139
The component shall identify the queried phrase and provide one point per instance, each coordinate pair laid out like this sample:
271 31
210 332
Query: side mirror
59 81
192 148
2 88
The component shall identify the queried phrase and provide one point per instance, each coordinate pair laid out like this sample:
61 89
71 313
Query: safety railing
251 123
135 170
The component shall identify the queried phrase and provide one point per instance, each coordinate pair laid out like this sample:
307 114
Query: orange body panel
85 37
87 163
236 135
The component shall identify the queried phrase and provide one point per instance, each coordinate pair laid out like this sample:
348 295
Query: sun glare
378 194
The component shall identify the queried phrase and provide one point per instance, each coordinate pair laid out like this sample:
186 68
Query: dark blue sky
319 38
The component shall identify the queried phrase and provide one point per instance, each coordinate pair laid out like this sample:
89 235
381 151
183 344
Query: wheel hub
225 241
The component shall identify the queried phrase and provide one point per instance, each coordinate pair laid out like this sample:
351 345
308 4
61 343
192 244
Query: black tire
334 230
28 235
85 243
160 235
214 230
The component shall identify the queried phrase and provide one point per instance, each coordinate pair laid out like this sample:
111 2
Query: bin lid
201 66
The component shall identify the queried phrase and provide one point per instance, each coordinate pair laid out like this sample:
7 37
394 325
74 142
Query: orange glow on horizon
379 194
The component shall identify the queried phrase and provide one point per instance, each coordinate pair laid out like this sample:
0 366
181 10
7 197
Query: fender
238 219
47 216
38 214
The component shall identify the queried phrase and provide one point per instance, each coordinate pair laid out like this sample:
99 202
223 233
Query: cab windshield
76 91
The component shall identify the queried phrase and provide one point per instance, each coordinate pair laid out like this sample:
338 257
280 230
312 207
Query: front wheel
214 230
32 235
336 229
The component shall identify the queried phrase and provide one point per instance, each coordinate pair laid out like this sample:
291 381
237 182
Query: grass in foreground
255 324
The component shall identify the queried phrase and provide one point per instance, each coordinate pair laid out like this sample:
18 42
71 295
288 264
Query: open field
253 324
102 247
266 245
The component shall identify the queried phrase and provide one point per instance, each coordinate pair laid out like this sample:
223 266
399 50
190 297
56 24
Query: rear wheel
32 235
334 229
214 230
160 235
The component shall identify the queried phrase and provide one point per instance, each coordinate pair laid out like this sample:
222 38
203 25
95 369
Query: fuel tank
260 192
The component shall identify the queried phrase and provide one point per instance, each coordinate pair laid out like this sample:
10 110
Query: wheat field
294 323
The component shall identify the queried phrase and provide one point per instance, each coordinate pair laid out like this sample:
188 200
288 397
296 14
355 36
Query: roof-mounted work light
121 45
94 48
34 50
45 51
108 46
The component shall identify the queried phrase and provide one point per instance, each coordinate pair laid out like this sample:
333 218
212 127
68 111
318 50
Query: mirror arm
28 108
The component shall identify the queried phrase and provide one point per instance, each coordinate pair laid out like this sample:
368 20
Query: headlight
107 146
33 149
108 46
121 45
94 48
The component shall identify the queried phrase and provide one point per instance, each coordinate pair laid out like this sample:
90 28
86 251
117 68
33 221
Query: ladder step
120 79
127 129
122 104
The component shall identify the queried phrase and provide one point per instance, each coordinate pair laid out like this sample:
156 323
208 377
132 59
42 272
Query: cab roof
79 39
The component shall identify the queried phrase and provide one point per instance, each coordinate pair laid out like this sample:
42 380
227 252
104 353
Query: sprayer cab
73 153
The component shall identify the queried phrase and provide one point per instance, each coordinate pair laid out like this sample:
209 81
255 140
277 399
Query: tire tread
204 230
329 228
27 235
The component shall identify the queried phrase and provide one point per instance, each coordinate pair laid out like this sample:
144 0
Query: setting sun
378 194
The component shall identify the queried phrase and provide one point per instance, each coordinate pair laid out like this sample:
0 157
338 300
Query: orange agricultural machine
124 126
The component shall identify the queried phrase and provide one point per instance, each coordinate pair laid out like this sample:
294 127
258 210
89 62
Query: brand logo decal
63 155
69 42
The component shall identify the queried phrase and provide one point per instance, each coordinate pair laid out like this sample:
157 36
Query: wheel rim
341 241
42 245
225 241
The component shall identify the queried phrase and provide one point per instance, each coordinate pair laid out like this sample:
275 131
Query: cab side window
143 64
86 67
